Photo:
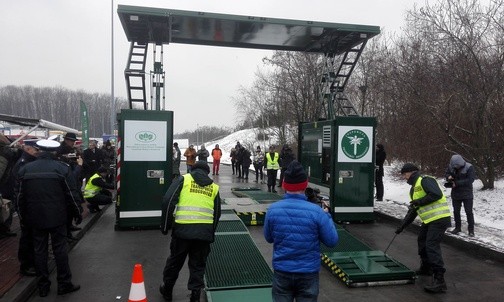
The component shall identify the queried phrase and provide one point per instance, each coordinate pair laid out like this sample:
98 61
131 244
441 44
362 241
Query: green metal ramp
236 270
356 264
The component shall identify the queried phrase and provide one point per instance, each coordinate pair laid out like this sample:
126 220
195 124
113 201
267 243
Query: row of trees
435 90
62 106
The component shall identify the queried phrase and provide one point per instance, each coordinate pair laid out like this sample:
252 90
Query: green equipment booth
144 172
339 155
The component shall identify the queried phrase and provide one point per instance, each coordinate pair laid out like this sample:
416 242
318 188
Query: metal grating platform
236 262
257 195
230 226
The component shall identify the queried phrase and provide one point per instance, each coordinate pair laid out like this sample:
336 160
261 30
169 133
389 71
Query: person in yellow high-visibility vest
97 191
429 203
192 207
271 164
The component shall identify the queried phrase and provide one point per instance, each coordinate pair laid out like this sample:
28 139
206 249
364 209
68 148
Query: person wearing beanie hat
296 246
429 203
192 207
295 178
408 167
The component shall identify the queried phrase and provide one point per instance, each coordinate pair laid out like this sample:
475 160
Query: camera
448 184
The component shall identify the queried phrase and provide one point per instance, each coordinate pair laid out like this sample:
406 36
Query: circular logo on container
145 136
355 144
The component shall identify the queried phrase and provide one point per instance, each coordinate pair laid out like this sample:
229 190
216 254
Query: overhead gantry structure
341 45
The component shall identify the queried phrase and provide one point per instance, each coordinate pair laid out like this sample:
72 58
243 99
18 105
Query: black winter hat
203 165
70 136
408 167
295 178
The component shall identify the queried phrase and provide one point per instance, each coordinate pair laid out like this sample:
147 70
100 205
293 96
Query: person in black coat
45 191
93 159
286 157
246 162
194 199
380 157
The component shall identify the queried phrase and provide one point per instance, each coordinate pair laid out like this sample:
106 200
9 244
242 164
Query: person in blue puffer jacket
296 227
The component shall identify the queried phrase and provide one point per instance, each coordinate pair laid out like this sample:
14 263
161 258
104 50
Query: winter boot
438 284
195 295
166 292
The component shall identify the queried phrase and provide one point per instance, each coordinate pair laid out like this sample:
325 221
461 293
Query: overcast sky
68 43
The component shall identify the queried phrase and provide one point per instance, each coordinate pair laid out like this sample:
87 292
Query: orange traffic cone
137 291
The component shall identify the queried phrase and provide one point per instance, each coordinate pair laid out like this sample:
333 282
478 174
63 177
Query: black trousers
60 250
197 250
26 254
102 198
245 171
258 171
468 208
379 186
282 173
272 174
429 243
239 169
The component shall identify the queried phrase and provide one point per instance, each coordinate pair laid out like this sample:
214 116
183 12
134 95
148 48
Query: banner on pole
85 125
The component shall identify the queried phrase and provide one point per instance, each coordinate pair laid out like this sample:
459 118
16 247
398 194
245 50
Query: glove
414 203
78 219
399 230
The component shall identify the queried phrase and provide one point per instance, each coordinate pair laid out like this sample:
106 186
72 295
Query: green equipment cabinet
144 172
339 155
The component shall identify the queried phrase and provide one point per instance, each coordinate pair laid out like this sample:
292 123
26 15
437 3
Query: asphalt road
102 263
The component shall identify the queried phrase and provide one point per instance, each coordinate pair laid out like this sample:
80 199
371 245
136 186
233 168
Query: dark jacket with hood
463 177
196 231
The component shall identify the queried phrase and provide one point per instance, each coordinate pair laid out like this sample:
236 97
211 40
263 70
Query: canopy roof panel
164 26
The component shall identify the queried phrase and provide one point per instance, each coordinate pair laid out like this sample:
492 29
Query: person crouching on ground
296 246
97 191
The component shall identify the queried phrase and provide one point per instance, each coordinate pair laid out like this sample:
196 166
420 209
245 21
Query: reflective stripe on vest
196 203
91 190
433 211
272 163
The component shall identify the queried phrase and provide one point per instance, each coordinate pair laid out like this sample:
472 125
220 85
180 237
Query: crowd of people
49 184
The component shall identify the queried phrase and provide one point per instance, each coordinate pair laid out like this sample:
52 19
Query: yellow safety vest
272 163
433 211
196 203
91 190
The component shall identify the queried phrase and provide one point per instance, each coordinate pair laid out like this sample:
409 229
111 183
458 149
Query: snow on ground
488 205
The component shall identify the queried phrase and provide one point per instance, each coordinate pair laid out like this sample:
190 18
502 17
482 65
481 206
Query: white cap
47 145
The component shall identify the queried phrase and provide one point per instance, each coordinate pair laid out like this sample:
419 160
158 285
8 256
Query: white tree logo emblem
355 144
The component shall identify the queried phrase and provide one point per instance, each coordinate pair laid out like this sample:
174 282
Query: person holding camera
460 176
296 246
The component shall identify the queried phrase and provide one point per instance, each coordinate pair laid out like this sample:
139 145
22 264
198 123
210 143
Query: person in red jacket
216 154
